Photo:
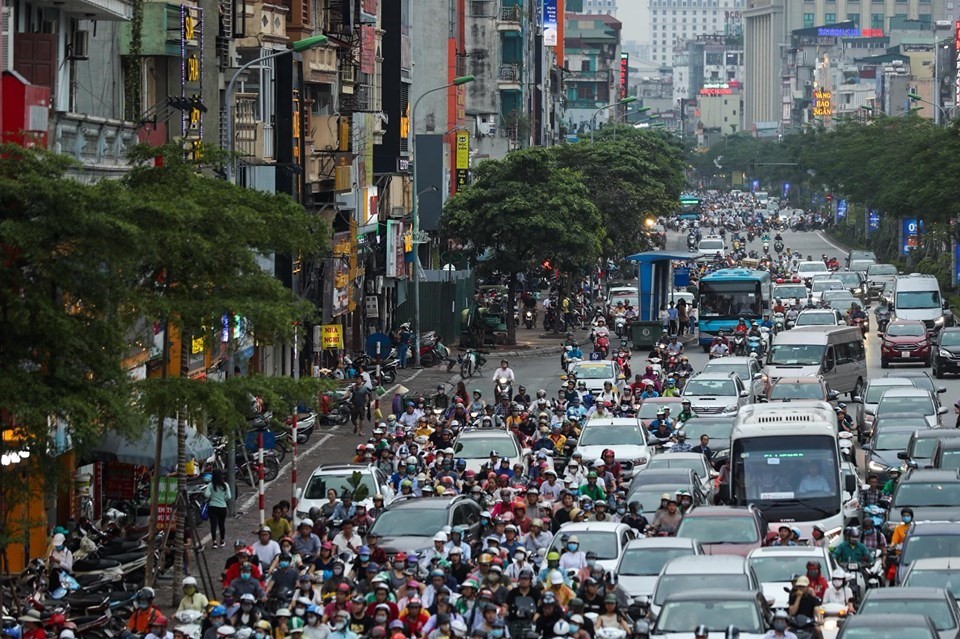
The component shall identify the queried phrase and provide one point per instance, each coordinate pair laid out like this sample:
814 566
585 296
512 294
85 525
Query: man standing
359 404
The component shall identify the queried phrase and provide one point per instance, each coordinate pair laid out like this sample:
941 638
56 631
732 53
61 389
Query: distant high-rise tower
601 7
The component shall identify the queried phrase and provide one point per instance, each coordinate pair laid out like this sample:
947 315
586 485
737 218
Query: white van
917 297
835 353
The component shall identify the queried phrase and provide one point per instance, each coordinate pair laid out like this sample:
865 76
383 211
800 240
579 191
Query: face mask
258 635
339 625
484 521
364 557
574 627
496 632
300 611
411 470
838 583
780 625
189 590
245 575
814 572
907 519
591 562
620 511
380 619
337 570
216 623
284 564
572 547
59 548
247 606
311 619
143 604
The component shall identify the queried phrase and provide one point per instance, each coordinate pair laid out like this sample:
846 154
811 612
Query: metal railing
509 73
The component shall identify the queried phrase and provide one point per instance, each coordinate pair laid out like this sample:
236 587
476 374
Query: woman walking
218 496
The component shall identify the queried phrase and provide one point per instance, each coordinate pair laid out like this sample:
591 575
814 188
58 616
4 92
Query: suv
710 245
725 530
716 393
335 477
749 369
625 436
911 400
905 341
877 276
806 270
409 524
474 445
946 352
928 539
934 495
820 317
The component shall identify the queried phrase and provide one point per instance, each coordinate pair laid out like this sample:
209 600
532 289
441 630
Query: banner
911 231
368 49
873 221
463 159
550 27
331 336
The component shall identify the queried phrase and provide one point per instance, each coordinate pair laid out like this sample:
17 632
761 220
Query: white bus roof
805 415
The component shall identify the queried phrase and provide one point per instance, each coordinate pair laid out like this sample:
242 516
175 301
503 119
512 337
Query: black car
890 437
889 626
946 352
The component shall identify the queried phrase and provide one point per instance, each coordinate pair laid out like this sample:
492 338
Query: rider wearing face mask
573 557
900 532
838 592
818 582
779 630
246 583
217 618
192 600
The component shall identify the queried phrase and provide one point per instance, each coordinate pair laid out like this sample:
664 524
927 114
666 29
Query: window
584 65
854 18
807 20
876 20
925 18
829 18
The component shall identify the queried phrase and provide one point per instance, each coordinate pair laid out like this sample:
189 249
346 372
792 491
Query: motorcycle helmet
561 628
851 532
146 593
700 631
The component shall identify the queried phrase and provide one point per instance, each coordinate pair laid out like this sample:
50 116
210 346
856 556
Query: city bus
690 208
729 294
785 461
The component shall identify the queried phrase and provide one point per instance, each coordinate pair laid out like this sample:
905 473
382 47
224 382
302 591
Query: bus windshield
794 477
730 300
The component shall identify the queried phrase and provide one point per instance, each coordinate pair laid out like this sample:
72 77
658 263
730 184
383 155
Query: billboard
873 221
624 74
463 159
910 234
550 26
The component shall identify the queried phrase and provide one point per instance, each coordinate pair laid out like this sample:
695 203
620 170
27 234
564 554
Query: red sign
624 73
119 481
956 48
715 91
871 33
368 49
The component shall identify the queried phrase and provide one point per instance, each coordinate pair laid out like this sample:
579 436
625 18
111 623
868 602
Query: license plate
905 354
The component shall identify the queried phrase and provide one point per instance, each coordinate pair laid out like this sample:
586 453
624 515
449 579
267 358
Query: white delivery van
835 353
917 297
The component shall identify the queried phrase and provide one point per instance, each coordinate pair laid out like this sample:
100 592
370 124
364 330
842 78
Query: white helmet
561 628
66 633
440 536
839 574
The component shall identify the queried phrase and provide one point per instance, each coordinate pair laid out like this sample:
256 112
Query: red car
905 341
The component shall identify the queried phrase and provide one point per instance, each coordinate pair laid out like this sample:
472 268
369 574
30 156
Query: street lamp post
939 109
593 119
415 213
298 46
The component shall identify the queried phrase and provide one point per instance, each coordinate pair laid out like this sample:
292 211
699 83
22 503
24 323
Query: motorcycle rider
779 630
855 313
902 529
838 592
818 583
852 549
686 413
684 366
674 347
671 389
503 372
649 375
682 445
844 421
718 348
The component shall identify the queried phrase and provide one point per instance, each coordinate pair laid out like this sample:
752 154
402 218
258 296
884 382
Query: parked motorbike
471 362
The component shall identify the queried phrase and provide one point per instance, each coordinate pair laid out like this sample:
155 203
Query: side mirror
850 484
903 455
834 396
866 446
746 393
942 389
942 410
758 376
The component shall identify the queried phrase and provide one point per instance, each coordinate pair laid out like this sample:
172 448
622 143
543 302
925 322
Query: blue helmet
218 611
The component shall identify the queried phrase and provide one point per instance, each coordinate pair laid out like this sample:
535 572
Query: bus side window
830 360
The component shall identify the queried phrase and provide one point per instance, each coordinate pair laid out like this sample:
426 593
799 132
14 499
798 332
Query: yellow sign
189 27
331 336
463 150
196 345
822 103
193 65
405 124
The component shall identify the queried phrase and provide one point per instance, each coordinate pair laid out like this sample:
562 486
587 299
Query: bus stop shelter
655 279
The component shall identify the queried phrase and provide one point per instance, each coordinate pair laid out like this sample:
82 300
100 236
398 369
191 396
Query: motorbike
739 345
503 388
860 323
601 344
883 318
529 319
830 617
778 246
619 325
691 242
846 446
623 359
766 247
751 236
334 410
779 322
755 345
471 362
804 627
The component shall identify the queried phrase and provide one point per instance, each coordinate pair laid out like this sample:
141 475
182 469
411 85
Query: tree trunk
150 570
511 302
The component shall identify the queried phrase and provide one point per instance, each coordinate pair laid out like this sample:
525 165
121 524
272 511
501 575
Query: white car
819 286
806 270
474 446
606 538
819 317
643 559
595 373
336 477
717 393
748 369
711 245
623 434
775 566
693 461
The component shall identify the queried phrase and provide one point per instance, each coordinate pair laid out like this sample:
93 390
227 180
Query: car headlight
939 321
876 467
944 353
732 408
640 461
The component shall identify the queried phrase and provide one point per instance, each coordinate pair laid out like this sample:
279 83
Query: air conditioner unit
80 45
398 211
6 39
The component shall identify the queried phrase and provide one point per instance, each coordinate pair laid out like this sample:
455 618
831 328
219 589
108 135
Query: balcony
509 17
320 65
254 137
266 23
509 78
108 10
603 75
99 144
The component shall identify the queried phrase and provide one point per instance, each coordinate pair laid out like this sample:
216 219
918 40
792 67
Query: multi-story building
673 22
772 59
592 48
600 7
706 59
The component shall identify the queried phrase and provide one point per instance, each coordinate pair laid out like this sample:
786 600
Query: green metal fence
444 295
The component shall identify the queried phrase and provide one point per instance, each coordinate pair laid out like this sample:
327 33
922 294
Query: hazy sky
631 13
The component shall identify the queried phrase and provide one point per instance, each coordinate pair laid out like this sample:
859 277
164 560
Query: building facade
673 22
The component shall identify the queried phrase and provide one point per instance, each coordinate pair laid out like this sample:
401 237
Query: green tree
631 178
521 211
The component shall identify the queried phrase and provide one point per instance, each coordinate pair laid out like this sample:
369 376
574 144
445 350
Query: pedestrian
664 317
403 344
218 495
673 316
359 405
692 320
682 318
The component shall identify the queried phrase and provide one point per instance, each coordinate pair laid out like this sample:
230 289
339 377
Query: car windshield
594 371
826 285
711 245
927 494
796 354
612 435
949 338
937 609
321 482
649 498
896 440
898 632
648 409
916 405
876 391
922 381
670 584
881 269
918 299
816 319
948 579
771 568
646 562
410 522
924 447
797 291
850 278
720 530
926 546
812 267
840 302
602 542
480 447
681 616
949 460
796 391
696 464
710 388
895 329
717 366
